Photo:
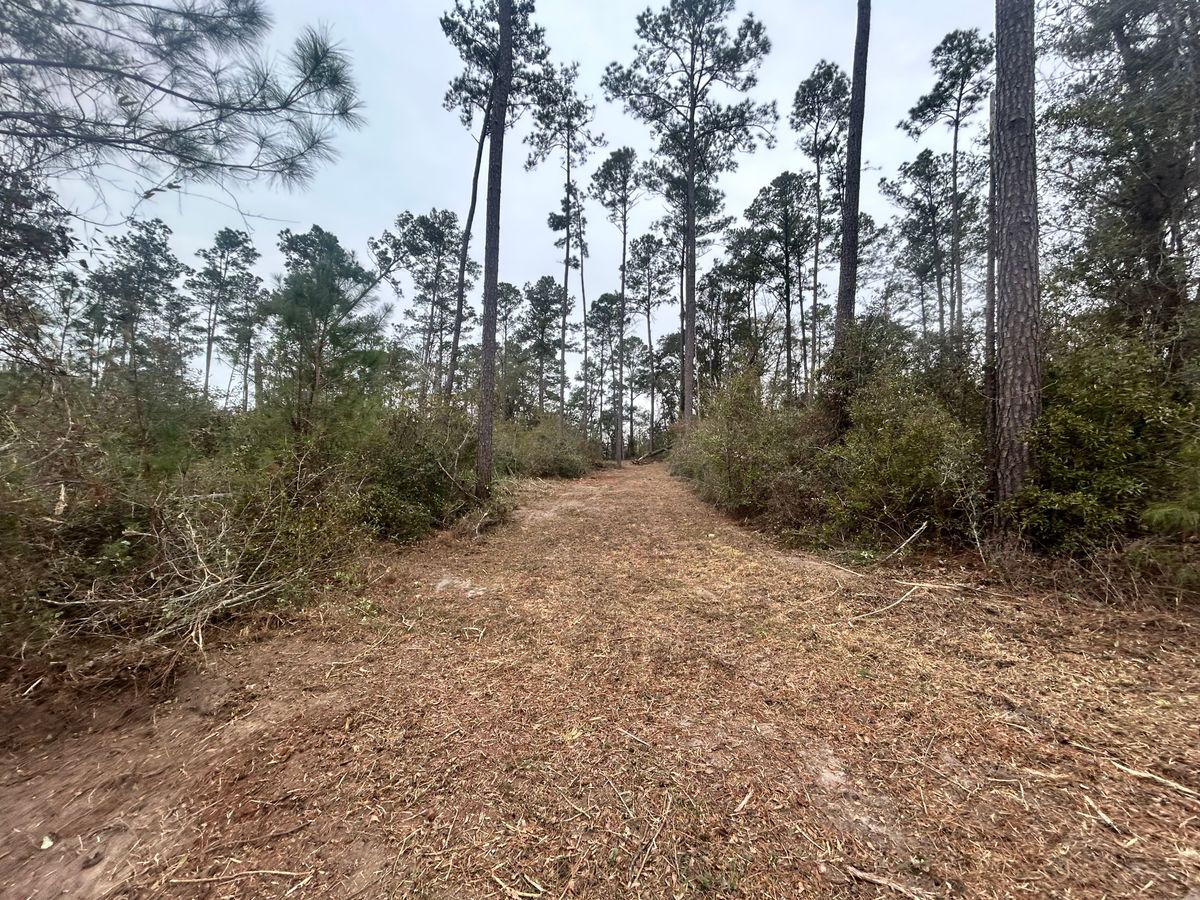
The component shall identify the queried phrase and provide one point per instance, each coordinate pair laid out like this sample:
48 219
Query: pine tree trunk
583 307
787 304
682 316
650 352
1018 382
989 312
460 291
621 342
956 303
848 274
688 369
816 285
491 253
562 347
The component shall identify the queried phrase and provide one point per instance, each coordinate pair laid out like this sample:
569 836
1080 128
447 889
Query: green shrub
1106 447
904 461
416 473
734 452
1177 514
547 449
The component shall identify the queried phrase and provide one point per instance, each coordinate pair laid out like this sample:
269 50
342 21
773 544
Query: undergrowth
122 543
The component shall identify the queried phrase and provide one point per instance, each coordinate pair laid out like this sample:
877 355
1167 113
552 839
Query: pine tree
473 30
1018 307
821 117
650 285
618 185
848 273
226 290
960 62
177 89
685 55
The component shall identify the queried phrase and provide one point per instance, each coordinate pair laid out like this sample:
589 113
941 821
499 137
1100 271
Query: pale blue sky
414 155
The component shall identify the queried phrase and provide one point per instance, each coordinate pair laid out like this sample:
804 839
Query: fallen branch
651 455
1139 773
883 609
844 569
630 734
884 882
912 537
236 875
1165 782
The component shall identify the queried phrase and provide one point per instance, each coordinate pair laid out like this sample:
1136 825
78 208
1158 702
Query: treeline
184 439
1090 364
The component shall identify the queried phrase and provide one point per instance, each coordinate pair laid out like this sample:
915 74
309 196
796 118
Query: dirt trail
620 693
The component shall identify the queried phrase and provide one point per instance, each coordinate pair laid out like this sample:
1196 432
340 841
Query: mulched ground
620 693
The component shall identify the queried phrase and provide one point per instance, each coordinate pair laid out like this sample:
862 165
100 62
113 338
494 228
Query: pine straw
621 694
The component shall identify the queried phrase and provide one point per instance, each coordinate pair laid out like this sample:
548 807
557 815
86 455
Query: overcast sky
413 155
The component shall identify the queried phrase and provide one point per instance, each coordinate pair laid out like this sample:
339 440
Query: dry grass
619 693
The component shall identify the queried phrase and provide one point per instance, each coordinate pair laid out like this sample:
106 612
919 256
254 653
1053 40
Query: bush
547 449
735 451
904 460
412 473
1108 445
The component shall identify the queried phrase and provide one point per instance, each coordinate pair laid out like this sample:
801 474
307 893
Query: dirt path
622 694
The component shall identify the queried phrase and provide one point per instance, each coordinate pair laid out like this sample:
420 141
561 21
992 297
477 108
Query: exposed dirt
620 693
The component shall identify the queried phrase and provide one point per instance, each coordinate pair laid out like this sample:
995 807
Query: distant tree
921 191
136 289
960 63
848 274
35 240
562 124
326 320
780 217
501 87
544 302
473 30
1018 307
650 284
574 227
508 307
618 184
177 90
224 284
685 53
709 204
608 326
821 116
425 247
1124 156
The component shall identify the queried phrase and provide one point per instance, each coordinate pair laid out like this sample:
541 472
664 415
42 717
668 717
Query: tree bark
811 386
566 299
787 304
650 353
491 253
956 285
848 274
621 341
1018 382
688 369
989 311
583 307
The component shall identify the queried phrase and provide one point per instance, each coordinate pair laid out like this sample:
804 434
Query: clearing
621 693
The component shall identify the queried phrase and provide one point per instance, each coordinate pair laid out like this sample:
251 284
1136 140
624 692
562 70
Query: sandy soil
620 693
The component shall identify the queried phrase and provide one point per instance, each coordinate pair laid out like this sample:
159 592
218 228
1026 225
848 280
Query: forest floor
622 693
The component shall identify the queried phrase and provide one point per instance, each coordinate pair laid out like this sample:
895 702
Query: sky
411 154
